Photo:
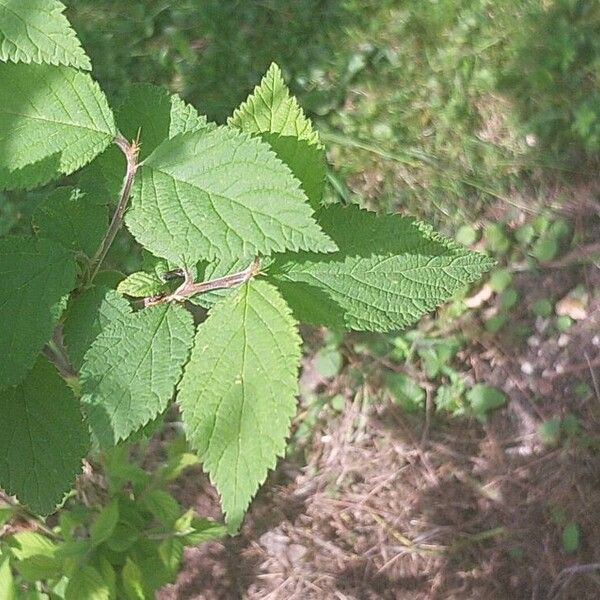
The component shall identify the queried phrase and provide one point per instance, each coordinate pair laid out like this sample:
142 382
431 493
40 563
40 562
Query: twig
131 152
189 288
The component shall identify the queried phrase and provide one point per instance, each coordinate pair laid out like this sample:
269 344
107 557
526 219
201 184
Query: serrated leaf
390 271
36 31
151 114
87 583
42 440
130 372
273 114
53 120
88 314
238 391
219 194
141 284
68 218
35 275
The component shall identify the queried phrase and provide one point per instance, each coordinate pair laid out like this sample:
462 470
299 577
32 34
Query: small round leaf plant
229 218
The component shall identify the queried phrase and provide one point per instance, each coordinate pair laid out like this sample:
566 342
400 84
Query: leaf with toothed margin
238 391
87 314
43 439
273 114
150 114
389 271
216 194
37 31
131 369
53 121
35 277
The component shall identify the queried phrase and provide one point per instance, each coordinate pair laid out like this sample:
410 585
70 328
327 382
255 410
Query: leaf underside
271 112
42 439
220 194
36 31
53 120
389 272
238 391
130 371
35 276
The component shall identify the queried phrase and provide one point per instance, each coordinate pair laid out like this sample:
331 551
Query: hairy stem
189 288
131 152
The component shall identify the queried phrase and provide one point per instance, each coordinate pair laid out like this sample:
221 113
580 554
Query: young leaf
87 315
390 270
53 120
42 440
7 583
273 114
220 193
69 219
36 31
35 275
141 284
130 371
238 391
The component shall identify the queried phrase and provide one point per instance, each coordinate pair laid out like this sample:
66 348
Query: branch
189 288
131 152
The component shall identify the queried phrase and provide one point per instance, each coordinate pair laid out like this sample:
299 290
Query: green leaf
238 391
406 392
35 275
7 583
87 583
70 219
35 556
133 581
570 537
162 506
390 270
151 114
484 398
220 194
130 371
273 114
141 284
88 314
105 523
53 120
328 362
36 31
42 440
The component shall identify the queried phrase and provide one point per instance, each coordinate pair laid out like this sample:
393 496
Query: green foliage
53 121
236 205
129 542
553 73
130 371
36 31
43 440
238 391
36 276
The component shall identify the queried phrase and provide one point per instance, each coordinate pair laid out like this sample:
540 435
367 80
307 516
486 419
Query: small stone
527 368
563 340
